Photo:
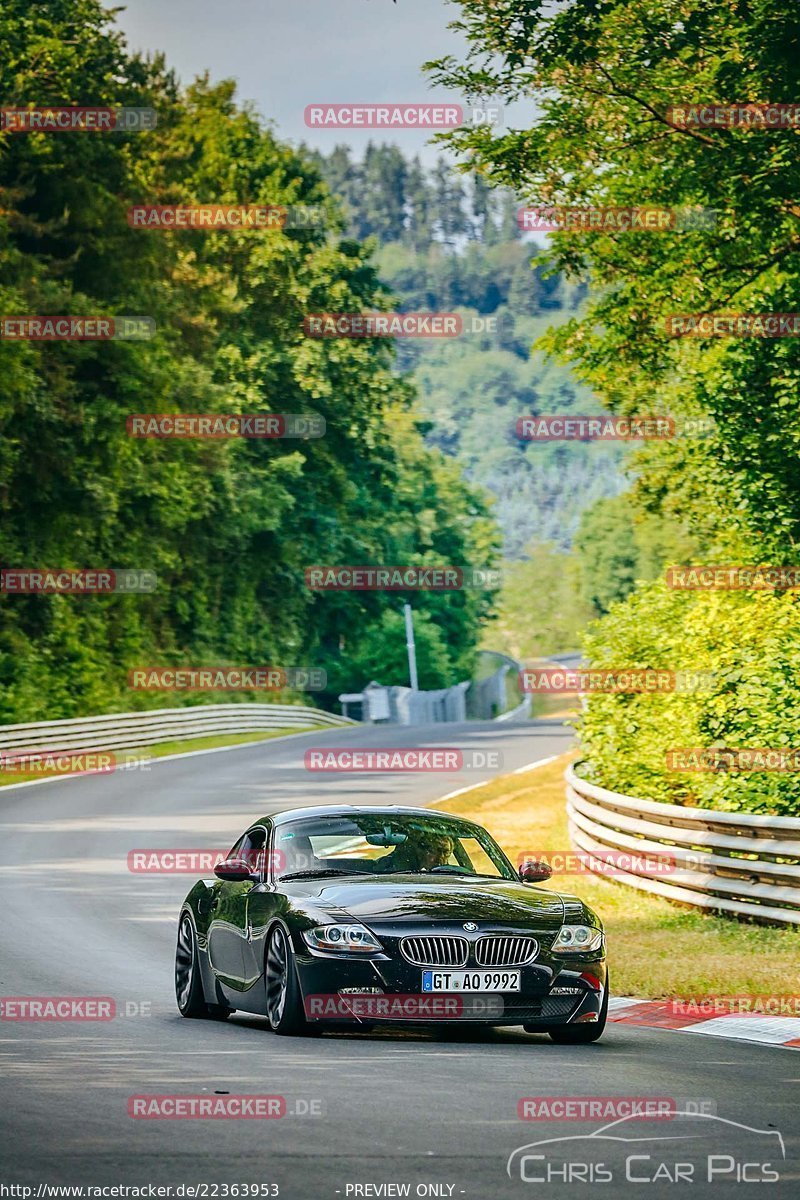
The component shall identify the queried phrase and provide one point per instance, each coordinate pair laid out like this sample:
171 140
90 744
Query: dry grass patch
656 949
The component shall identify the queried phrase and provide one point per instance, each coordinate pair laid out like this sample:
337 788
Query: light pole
412 650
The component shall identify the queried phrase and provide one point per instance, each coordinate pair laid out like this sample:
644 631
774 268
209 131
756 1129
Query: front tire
284 1002
581 1035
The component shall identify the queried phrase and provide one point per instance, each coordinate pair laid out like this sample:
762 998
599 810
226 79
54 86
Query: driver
419 852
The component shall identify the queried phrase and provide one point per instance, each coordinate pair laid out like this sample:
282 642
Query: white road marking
541 762
461 791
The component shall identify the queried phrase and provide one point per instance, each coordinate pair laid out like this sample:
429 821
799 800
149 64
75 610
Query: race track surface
434 1111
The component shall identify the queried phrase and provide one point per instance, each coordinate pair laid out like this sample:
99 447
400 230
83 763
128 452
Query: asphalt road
369 1114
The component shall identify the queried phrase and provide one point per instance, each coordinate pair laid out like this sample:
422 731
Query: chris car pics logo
693 1146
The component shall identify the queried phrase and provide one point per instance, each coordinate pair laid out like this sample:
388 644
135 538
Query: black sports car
344 916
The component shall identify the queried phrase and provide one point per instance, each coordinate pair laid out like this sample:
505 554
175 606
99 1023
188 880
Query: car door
263 901
228 929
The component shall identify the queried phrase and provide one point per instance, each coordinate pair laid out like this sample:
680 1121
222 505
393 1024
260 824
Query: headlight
577 937
350 938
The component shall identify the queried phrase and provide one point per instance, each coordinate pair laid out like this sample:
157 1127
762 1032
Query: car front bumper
387 988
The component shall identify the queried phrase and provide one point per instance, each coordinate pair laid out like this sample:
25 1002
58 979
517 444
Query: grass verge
160 749
657 949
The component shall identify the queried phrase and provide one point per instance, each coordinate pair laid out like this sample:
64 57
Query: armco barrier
120 731
739 863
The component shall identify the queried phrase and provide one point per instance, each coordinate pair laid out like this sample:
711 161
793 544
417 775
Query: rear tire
188 984
188 981
580 1035
284 1001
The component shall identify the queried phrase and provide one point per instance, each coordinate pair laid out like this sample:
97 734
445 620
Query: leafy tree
604 77
228 526
482 227
451 218
383 179
472 390
618 544
419 235
540 610
383 655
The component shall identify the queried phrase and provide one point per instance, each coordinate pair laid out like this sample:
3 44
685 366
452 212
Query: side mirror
535 872
234 870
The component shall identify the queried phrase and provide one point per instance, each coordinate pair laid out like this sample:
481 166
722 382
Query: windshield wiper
324 871
451 870
446 870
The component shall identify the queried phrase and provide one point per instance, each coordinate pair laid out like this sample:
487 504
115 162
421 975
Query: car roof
348 810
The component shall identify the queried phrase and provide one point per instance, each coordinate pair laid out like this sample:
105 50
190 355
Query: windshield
376 844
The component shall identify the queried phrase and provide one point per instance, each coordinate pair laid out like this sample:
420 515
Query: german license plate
471 981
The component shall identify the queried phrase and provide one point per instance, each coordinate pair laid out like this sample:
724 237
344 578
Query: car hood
408 898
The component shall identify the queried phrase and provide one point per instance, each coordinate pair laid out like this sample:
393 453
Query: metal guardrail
522 710
740 863
488 697
479 700
120 731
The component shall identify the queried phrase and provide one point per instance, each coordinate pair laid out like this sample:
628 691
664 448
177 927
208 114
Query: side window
250 847
253 847
236 849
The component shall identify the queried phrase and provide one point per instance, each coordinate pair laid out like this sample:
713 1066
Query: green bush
750 644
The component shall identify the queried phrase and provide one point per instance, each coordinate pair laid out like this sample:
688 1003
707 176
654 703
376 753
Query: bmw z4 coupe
339 916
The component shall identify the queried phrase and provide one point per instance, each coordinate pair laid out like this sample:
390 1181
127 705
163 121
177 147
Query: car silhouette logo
613 1134
470 925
